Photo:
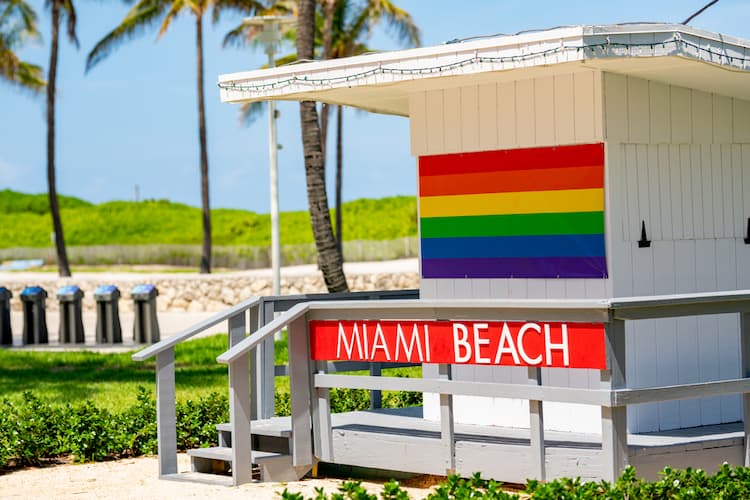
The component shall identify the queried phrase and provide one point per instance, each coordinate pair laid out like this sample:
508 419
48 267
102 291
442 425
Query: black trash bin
145 324
71 315
34 315
6 333
108 329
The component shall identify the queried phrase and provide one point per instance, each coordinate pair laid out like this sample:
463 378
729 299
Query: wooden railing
245 317
310 383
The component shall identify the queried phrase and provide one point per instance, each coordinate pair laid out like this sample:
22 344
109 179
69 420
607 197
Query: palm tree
18 23
59 9
351 25
147 13
329 257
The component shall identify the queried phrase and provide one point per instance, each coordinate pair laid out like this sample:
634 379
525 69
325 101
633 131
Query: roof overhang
381 82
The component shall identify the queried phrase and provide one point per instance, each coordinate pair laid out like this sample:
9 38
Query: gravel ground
138 478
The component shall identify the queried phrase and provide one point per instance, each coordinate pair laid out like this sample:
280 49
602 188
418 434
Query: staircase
271 452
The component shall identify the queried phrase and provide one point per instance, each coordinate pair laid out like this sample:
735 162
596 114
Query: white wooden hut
671 107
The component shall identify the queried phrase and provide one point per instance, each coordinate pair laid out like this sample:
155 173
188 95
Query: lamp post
270 36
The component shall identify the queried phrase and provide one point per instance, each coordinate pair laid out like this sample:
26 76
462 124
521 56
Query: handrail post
447 431
321 417
745 365
239 406
166 415
614 419
536 428
299 388
376 396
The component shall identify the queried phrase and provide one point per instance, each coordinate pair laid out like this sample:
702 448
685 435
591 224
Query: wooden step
267 466
272 427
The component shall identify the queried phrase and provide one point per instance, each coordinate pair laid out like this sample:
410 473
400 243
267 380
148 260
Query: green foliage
161 222
12 202
34 430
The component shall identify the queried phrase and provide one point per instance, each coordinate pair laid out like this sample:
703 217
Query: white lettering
401 341
525 328
427 343
506 346
462 342
479 342
562 346
378 342
348 346
367 341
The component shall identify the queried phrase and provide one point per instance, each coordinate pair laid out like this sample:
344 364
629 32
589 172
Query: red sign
561 345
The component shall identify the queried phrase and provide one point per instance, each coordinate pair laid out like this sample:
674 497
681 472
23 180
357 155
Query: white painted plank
507 135
686 182
729 364
452 120
585 109
427 288
616 107
664 267
688 368
469 118
598 95
708 359
702 117
565 104
615 192
720 195
556 289
679 106
667 370
697 194
445 288
726 191
659 114
462 289
745 186
632 219
739 224
741 121
643 197
518 288
480 289
638 111
646 373
664 193
575 288
525 113
622 265
544 111
536 289
434 122
707 181
722 119
599 289
655 197
675 189
418 123
499 288
488 114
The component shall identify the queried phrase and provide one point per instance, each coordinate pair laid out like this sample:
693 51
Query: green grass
111 380
26 222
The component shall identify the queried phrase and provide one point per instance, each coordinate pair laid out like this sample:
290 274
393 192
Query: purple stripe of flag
522 267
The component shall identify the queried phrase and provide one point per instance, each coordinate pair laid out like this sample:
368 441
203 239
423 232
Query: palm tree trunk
329 258
339 175
329 8
54 208
206 251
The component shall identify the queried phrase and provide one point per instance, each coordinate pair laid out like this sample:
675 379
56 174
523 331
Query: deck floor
401 440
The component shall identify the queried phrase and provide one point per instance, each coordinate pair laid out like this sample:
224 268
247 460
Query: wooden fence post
239 407
614 419
536 428
166 417
299 388
447 431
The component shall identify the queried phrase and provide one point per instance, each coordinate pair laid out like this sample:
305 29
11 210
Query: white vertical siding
679 162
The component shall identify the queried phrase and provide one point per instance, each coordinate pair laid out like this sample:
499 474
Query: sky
132 120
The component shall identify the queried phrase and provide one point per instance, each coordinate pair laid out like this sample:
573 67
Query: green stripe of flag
513 225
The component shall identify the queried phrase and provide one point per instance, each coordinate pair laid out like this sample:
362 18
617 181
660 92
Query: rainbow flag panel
514 213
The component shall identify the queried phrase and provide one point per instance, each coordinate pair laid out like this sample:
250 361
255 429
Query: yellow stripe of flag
528 202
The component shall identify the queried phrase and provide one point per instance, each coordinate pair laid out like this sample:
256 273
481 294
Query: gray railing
246 316
310 384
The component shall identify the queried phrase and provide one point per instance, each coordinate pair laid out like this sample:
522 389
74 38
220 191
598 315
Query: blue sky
133 121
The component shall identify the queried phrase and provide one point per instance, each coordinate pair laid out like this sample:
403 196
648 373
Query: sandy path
137 478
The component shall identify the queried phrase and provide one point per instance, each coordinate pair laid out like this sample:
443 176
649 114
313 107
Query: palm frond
138 20
250 112
396 19
175 8
241 7
70 14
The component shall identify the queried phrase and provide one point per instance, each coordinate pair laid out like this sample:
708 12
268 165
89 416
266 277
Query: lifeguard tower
584 206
